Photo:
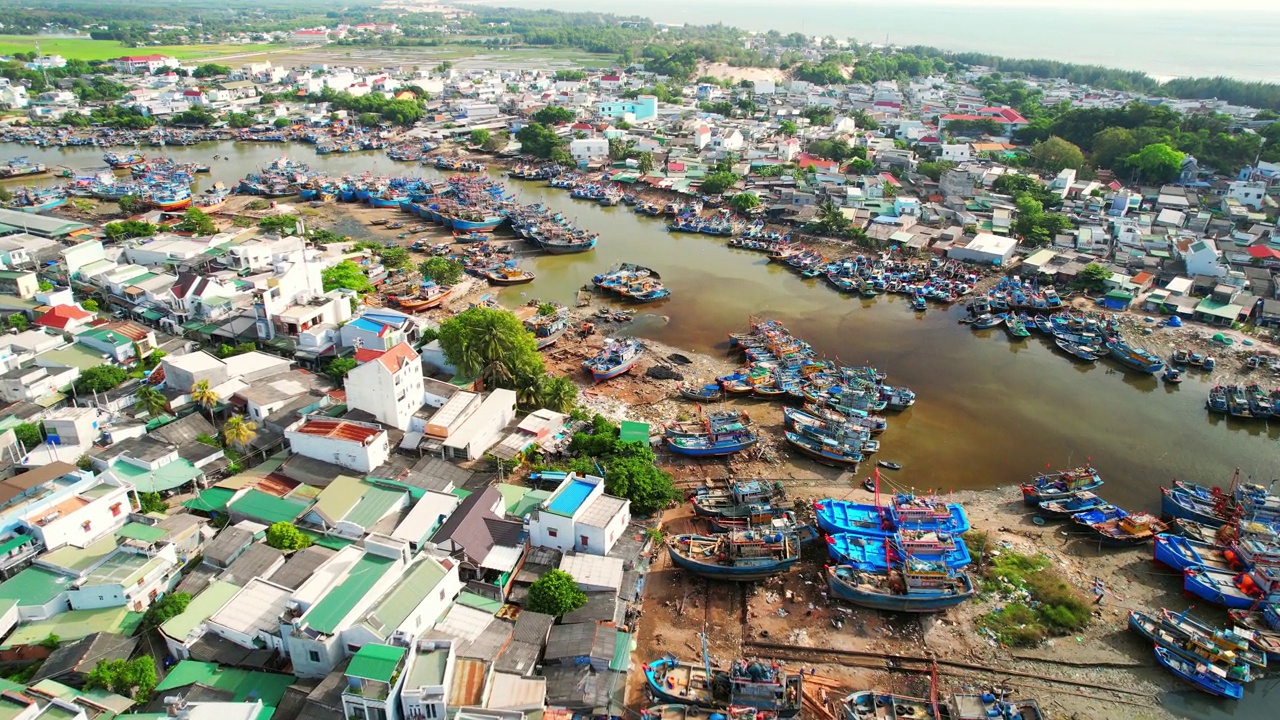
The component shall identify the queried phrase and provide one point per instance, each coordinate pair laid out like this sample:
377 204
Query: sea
1165 39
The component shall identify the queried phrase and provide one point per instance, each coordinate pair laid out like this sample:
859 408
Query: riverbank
795 612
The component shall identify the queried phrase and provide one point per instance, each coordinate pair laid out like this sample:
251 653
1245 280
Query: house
71 663
960 152
20 283
379 329
309 36
67 318
985 248
483 429
33 382
106 575
143 64
1202 257
644 107
352 445
579 516
387 385
1251 193
76 514
489 548
13 96
428 676
122 342
588 150
374 679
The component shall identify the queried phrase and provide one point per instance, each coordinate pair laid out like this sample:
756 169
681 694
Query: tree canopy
493 346
743 202
1056 154
717 182
442 271
345 275
553 115
1156 163
166 608
286 536
100 378
555 593
197 222
630 468
538 139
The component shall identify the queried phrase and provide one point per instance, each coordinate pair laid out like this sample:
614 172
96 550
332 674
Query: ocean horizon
1233 38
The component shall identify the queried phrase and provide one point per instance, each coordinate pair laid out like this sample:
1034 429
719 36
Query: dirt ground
726 71
794 610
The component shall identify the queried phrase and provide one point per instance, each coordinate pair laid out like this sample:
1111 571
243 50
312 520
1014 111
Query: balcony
367 689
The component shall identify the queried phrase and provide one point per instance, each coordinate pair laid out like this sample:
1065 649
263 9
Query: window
584 540
430 711
551 532
313 655
115 509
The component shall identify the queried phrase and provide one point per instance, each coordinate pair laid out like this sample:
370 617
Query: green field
77 49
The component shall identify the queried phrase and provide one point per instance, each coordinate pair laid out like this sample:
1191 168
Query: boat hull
731 574
921 603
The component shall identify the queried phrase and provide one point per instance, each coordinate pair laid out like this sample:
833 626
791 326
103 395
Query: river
991 410
1164 38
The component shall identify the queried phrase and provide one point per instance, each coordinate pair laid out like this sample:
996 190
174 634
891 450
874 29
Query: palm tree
238 432
559 394
204 396
646 162
151 400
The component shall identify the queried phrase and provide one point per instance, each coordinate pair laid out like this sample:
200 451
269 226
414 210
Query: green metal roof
213 500
374 506
634 431
332 542
414 587
375 662
77 624
621 661
166 477
34 586
336 501
79 560
145 533
267 508
242 684
479 602
327 615
14 542
201 608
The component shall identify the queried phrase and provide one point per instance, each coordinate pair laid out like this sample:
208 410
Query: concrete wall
69 529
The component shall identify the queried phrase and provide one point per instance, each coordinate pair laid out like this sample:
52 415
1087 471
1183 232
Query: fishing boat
739 499
905 512
1132 529
123 160
1201 676
673 711
616 357
1016 328
888 465
1135 358
990 706
1061 485
1261 627
429 295
1217 401
21 167
917 587
1077 503
508 274
879 553
1104 513
741 556
712 445
827 450
1178 503
1076 350
1188 647
754 683
986 321
1180 356
1234 591
710 392
1171 375
1181 553
1225 639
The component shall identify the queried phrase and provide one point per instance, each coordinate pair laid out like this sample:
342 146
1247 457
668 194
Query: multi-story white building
387 384
143 64
579 516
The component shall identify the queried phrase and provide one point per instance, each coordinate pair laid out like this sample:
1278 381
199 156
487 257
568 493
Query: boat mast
706 659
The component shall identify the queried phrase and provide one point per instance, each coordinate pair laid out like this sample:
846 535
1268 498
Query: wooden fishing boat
1061 485
919 589
1261 627
1186 646
753 683
827 451
1225 639
742 556
1199 532
1089 518
1132 529
673 711
1076 350
905 512
615 358
986 321
1179 503
508 275
718 422
741 498
1201 676
710 392
888 465
877 553
1078 502
1181 553
428 297
990 705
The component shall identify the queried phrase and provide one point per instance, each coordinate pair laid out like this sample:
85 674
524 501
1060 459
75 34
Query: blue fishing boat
712 445
1200 675
916 588
878 553
1181 553
482 224
827 450
986 321
740 556
1079 502
1235 591
1136 358
1076 350
753 683
1224 639
1097 515
1178 503
906 512
1189 647
742 498
1261 627
615 358
1060 486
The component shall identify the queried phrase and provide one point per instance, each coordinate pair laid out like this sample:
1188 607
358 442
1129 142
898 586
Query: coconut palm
205 397
151 400
238 432
559 394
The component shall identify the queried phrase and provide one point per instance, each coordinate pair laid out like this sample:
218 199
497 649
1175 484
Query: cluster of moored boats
631 282
1245 401
158 182
1225 544
840 404
924 281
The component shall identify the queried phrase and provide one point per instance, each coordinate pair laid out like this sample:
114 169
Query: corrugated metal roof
414 587
469 675
338 499
374 506
267 508
326 615
375 662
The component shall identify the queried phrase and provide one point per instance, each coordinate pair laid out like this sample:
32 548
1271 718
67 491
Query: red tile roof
804 160
1262 252
395 358
61 316
339 430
